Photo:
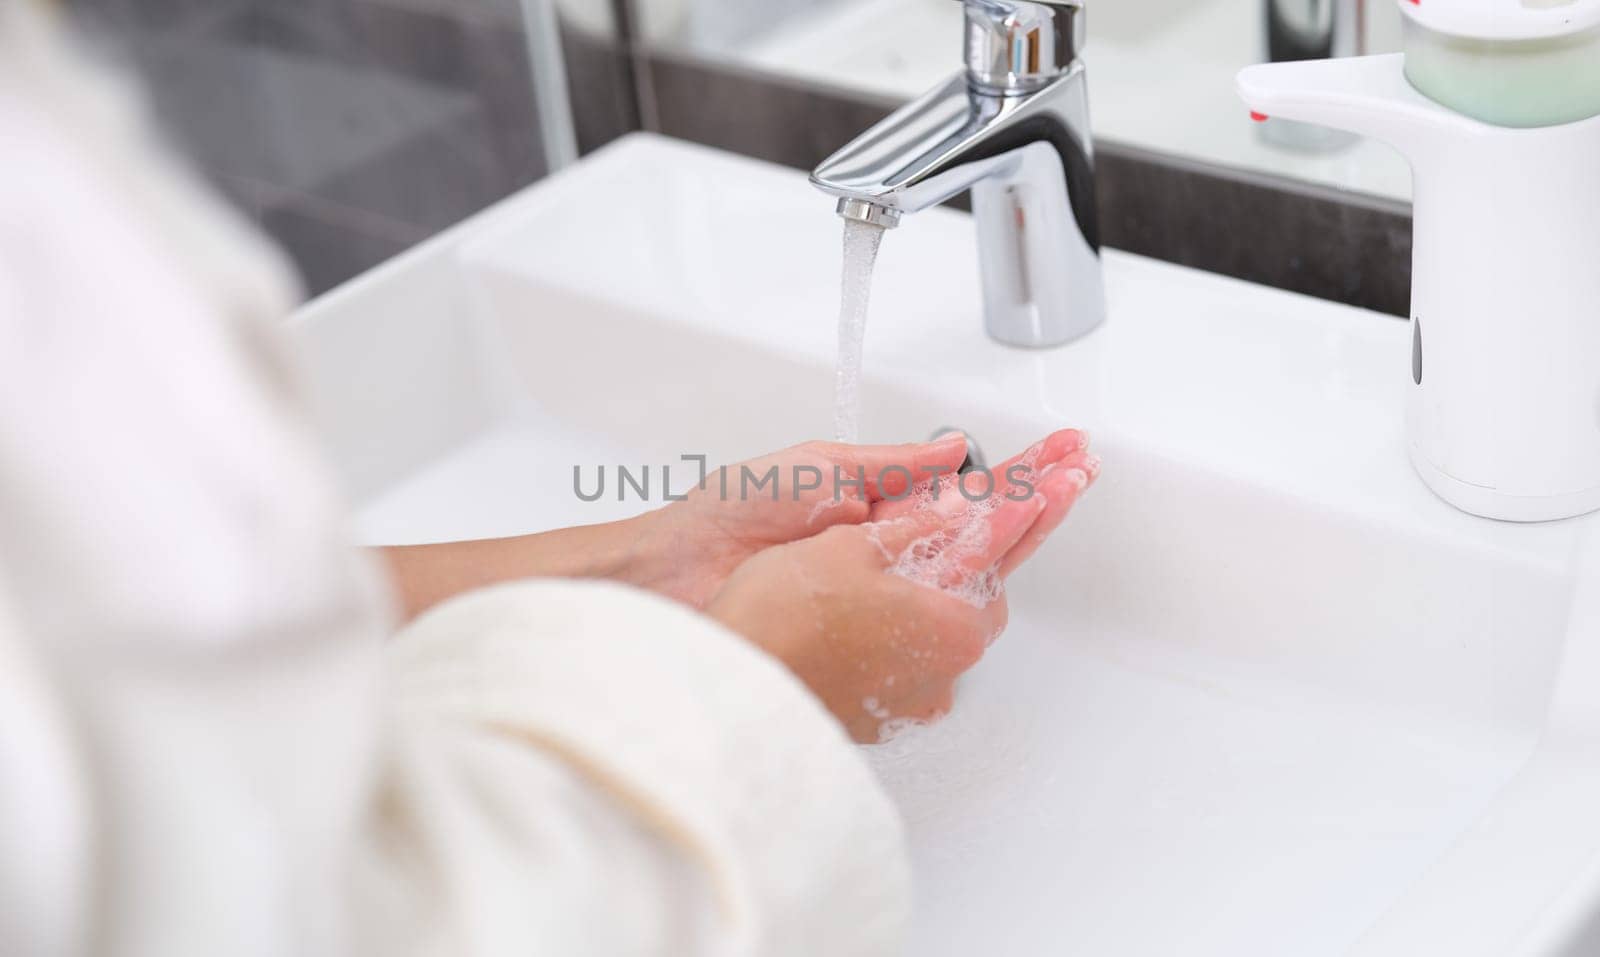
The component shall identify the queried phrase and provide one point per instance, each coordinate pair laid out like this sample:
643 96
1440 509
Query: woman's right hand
880 619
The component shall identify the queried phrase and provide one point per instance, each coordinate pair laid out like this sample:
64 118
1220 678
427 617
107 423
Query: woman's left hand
688 549
794 494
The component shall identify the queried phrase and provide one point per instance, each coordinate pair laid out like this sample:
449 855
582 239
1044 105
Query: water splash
861 242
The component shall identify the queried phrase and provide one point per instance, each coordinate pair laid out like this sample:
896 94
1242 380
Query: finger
1060 488
1053 449
892 470
940 515
953 540
1014 474
845 510
976 550
1085 462
900 505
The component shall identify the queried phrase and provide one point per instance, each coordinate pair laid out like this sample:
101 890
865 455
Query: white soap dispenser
1496 103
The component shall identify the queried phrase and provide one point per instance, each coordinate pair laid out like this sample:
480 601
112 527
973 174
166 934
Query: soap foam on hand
956 556
895 728
942 560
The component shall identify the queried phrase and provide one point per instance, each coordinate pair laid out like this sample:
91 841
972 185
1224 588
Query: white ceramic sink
1263 695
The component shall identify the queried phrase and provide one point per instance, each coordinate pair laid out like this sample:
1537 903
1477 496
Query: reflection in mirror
1161 72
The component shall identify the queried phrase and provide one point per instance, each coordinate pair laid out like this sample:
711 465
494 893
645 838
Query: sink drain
975 460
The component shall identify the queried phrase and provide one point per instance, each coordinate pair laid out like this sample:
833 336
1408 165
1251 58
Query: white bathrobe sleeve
692 798
210 742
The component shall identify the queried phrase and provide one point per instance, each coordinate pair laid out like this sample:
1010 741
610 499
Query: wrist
634 554
676 552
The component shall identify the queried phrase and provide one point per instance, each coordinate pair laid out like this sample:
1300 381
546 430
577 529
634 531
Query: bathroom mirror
1161 72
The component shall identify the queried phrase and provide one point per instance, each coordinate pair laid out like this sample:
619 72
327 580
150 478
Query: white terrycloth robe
209 742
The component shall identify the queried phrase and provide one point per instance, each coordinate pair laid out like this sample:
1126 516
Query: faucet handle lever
1017 46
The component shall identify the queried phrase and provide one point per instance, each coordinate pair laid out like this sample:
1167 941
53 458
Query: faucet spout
922 155
1013 128
1027 159
866 211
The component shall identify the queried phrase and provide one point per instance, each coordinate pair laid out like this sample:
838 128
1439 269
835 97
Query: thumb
892 470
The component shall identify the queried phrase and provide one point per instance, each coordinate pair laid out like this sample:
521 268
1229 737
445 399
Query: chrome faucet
1014 128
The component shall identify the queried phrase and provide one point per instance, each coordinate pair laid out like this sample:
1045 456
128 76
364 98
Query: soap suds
942 560
898 727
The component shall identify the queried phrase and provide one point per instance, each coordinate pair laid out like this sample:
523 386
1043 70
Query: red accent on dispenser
1259 117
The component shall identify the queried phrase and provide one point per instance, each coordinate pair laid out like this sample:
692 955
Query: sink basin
1263 695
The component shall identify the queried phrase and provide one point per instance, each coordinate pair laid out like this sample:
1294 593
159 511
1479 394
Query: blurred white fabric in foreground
207 743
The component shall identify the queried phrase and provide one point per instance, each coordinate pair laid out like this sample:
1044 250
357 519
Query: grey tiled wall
350 129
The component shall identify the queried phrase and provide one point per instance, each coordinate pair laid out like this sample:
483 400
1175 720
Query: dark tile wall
1323 242
1278 232
350 129
601 82
756 114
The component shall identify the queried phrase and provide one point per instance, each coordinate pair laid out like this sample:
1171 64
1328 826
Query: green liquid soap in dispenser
1519 63
1496 104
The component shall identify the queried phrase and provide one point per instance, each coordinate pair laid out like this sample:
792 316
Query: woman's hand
688 549
780 498
880 618
725 522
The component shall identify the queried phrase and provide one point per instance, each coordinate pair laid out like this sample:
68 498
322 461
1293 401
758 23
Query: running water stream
941 559
860 255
